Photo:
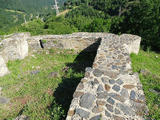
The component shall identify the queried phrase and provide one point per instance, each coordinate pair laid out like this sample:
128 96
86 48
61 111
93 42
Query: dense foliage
140 17
53 25
8 20
27 6
144 21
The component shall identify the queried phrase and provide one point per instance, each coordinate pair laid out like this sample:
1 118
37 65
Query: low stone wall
17 46
76 41
109 90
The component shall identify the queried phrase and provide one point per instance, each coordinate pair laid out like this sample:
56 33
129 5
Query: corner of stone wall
131 42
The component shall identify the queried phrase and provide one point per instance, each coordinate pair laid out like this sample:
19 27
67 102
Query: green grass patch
44 41
149 63
42 85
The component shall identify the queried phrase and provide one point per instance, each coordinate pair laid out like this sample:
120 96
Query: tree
99 25
143 20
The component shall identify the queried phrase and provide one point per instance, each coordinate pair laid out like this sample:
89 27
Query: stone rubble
22 117
3 100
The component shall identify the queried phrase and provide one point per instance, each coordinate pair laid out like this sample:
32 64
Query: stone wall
17 46
109 90
76 41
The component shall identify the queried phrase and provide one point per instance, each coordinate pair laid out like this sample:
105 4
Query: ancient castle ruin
109 90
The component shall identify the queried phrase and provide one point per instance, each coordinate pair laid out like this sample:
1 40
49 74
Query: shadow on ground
64 92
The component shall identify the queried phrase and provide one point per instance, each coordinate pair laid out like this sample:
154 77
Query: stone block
15 47
3 68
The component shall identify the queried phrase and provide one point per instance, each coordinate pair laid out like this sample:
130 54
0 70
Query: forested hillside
15 12
9 19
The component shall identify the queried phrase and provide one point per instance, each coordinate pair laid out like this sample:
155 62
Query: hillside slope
15 12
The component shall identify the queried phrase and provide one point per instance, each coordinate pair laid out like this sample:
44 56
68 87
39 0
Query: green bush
99 25
34 27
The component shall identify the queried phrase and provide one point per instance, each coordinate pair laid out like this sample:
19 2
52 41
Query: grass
148 66
42 96
44 41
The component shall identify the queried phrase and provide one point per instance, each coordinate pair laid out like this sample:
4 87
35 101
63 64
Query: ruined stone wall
76 41
17 46
109 90
12 47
